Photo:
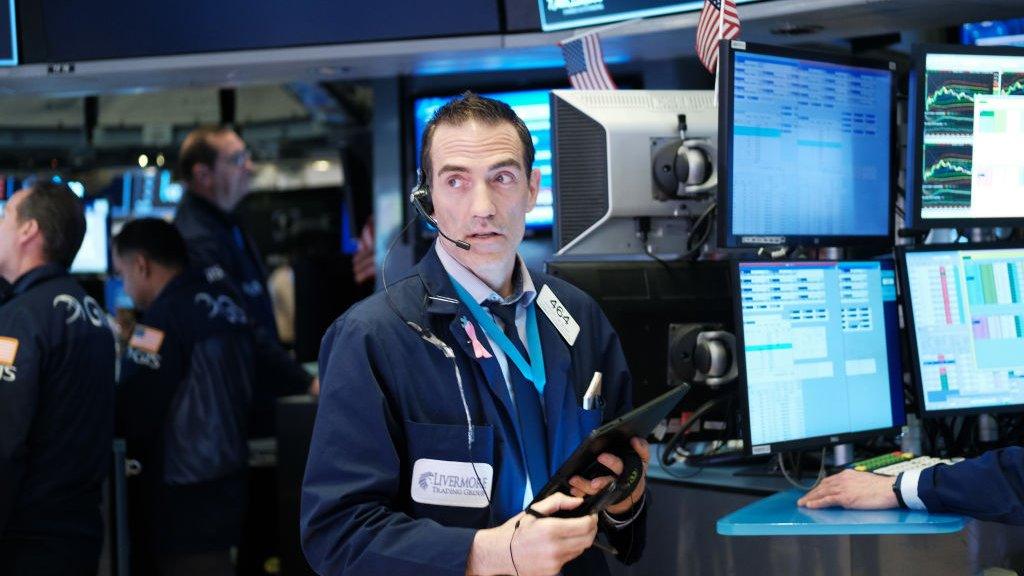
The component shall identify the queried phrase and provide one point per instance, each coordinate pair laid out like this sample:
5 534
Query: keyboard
895 462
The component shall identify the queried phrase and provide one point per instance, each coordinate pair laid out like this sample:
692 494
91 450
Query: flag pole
600 29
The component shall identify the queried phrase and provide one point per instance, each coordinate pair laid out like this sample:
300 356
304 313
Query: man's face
10 234
131 268
481 191
231 171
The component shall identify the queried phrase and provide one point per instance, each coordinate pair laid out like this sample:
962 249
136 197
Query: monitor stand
806 468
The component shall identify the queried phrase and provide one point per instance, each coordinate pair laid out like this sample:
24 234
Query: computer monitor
94 257
965 320
620 161
818 352
532 107
964 166
563 14
805 148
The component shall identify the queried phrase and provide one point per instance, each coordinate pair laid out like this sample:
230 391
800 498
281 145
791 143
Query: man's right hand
540 547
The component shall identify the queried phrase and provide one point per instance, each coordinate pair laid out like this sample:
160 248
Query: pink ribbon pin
478 348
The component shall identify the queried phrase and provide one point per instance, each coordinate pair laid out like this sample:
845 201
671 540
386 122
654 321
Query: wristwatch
898 492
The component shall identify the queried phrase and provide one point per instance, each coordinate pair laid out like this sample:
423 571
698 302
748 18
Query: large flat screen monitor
562 14
818 352
993 33
530 105
93 256
964 162
965 318
805 148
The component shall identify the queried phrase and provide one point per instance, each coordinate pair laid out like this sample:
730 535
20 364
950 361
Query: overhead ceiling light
143 160
321 166
160 160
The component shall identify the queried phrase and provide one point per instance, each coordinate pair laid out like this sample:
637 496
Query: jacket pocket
589 420
449 480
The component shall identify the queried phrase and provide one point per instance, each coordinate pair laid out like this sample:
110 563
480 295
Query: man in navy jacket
182 406
56 392
989 487
216 165
435 425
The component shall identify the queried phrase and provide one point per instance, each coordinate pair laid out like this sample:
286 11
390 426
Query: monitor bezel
911 330
915 145
803 443
726 237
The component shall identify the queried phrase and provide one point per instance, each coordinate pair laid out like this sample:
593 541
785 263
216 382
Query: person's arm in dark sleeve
989 487
148 381
19 398
628 532
349 522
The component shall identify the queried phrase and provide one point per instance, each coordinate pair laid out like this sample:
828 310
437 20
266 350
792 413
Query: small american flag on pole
718 20
584 63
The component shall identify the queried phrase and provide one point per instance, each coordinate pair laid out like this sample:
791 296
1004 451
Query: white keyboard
919 463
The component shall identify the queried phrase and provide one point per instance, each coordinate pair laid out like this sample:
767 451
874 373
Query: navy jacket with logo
389 399
215 240
56 409
182 405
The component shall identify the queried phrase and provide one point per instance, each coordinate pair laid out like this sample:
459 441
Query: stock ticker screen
967 310
972 137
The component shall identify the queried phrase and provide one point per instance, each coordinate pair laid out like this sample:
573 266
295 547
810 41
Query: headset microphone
420 199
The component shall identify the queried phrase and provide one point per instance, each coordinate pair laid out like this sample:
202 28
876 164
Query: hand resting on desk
852 490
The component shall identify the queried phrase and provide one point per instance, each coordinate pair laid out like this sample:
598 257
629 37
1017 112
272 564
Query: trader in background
56 392
182 403
216 167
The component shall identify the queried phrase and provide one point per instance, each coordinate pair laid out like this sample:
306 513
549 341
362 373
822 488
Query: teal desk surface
778 515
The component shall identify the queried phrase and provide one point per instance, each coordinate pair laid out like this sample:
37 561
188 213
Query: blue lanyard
535 372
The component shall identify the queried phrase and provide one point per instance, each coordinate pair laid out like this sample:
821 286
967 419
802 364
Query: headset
424 205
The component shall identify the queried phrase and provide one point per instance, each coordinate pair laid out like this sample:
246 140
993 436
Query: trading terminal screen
92 257
819 352
533 107
967 320
810 146
972 134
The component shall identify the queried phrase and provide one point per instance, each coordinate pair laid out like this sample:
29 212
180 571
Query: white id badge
552 307
448 483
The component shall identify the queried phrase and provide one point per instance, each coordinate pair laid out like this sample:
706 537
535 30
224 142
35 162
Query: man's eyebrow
508 163
452 168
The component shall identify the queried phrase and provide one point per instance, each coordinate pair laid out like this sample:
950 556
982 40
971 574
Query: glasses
239 158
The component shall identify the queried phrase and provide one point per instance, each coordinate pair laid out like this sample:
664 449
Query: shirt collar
523 290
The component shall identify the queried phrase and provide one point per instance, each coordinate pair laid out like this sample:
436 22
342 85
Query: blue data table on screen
778 515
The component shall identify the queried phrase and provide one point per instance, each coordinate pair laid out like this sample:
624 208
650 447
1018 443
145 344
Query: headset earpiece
420 196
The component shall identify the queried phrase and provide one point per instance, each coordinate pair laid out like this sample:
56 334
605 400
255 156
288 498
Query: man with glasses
216 167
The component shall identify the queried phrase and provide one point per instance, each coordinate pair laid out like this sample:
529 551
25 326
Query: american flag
716 22
8 350
585 64
146 338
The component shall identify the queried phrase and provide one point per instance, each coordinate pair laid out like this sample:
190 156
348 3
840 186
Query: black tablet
612 437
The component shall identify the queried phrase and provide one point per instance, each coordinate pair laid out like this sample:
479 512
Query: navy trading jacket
56 409
217 243
182 406
389 400
989 487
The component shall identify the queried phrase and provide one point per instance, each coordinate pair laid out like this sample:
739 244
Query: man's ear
140 263
28 230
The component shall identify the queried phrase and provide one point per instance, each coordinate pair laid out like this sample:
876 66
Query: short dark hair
471 106
61 219
197 149
156 239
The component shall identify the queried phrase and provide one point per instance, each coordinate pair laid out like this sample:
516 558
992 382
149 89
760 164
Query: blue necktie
527 401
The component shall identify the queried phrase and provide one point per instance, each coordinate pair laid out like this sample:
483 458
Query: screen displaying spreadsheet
966 317
809 145
819 356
